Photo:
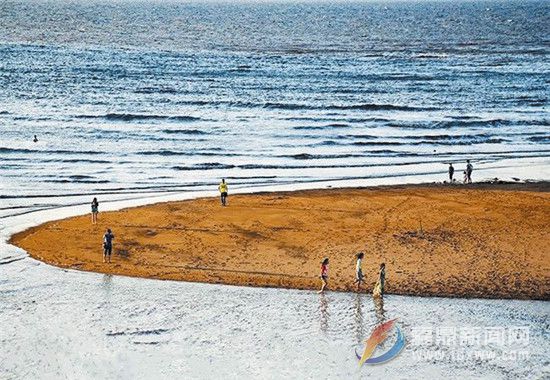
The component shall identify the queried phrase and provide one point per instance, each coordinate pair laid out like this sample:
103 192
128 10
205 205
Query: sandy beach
487 241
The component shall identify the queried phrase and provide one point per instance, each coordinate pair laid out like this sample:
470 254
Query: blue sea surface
141 97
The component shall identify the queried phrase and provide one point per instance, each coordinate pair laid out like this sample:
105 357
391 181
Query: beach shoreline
486 240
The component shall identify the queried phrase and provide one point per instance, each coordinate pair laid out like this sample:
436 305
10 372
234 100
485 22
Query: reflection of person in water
379 309
359 331
323 308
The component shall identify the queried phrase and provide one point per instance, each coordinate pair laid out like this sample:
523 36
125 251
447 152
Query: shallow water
60 323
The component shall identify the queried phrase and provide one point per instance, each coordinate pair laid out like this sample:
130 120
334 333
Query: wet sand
487 240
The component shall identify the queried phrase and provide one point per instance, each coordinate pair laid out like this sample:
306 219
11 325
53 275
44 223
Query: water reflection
379 309
107 283
359 320
323 308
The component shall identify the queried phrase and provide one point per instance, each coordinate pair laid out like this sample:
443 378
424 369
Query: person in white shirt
359 270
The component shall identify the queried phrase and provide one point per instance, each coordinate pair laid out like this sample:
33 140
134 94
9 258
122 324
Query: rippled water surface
135 97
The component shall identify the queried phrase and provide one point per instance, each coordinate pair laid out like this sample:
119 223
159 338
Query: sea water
136 102
131 98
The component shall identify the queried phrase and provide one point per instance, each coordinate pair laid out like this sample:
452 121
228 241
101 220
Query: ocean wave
309 127
241 69
374 143
138 117
327 143
185 131
205 166
75 181
58 151
431 55
77 160
545 138
463 117
166 152
156 90
465 123
266 166
308 156
308 106
383 107
334 166
321 127
363 107
438 140
338 119
472 141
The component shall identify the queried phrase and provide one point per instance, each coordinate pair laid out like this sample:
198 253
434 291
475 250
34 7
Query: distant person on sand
451 173
223 192
108 245
379 288
35 139
469 170
465 179
359 270
324 274
95 210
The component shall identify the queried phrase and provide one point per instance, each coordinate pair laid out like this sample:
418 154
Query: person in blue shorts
108 245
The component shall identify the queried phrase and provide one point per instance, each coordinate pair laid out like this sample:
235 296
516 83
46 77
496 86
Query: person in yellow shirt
223 192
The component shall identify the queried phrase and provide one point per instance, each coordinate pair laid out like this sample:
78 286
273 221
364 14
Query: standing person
223 192
359 270
35 139
95 210
465 177
382 277
451 172
379 288
324 274
469 170
108 245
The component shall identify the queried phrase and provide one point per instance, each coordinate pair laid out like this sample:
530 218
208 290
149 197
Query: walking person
359 270
95 210
107 245
324 274
379 288
469 170
223 192
451 172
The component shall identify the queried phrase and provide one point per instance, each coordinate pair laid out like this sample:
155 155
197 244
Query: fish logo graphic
378 336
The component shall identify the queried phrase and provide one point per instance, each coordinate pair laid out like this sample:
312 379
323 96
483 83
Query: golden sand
468 241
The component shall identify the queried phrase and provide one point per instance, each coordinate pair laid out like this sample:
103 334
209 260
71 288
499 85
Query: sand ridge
468 241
